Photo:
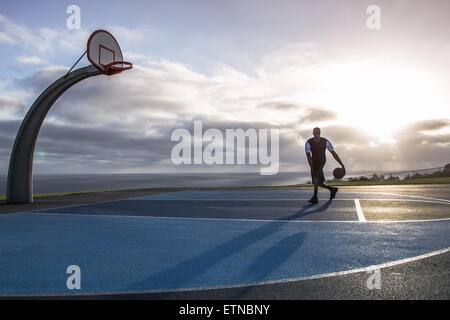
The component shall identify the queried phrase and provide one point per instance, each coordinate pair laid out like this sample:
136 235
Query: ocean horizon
59 183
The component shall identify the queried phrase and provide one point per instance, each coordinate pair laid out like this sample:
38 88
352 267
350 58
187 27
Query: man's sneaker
313 200
333 192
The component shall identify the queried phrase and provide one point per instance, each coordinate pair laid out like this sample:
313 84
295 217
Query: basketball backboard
104 53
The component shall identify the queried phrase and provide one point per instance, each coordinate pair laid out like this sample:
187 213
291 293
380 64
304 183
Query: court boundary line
359 211
440 201
230 219
404 195
366 192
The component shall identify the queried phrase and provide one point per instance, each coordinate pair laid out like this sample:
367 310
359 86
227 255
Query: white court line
439 201
359 211
403 195
418 198
230 219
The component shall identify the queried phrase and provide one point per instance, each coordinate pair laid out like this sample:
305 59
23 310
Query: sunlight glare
379 98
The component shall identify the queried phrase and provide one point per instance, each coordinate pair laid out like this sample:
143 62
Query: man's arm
308 155
336 157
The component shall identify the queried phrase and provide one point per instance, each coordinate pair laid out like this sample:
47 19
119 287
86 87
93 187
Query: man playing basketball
315 152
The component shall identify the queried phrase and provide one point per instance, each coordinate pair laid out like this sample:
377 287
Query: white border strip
359 211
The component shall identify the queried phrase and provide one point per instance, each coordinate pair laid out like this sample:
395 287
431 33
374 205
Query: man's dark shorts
318 172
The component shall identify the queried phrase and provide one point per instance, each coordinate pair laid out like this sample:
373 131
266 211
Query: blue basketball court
193 240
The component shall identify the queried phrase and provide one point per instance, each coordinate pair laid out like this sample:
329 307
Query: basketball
338 173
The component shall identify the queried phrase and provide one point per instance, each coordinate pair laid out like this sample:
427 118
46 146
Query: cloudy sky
382 97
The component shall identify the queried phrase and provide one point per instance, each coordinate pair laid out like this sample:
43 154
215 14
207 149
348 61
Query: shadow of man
263 265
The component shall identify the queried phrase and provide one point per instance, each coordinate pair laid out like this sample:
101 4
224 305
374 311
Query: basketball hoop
117 67
103 51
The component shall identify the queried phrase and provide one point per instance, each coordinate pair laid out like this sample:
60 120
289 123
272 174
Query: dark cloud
318 115
413 148
8 128
426 125
341 135
63 148
42 78
115 124
421 133
279 106
13 106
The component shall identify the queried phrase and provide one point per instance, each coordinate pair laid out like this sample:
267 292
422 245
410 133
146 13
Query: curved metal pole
20 175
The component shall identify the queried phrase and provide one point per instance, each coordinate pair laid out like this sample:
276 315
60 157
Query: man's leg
318 179
323 185
332 190
316 182
316 185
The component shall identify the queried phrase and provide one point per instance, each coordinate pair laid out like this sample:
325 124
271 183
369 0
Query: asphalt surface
47 202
